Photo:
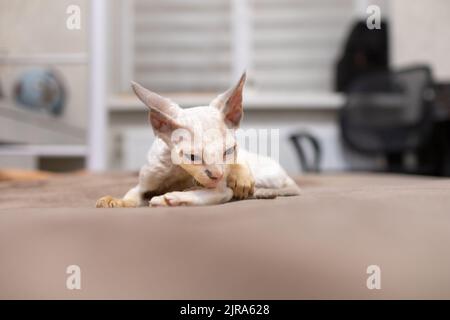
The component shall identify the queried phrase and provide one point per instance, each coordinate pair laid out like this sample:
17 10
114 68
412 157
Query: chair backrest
389 112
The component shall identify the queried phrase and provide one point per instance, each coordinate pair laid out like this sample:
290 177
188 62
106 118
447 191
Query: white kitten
187 166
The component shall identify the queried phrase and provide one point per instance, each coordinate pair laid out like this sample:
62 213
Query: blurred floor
317 245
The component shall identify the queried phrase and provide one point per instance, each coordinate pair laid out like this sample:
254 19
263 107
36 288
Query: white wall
421 34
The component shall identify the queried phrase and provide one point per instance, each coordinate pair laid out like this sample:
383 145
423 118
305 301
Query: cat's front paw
241 181
110 202
171 199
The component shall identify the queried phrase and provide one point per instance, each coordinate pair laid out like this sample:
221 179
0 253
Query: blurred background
344 96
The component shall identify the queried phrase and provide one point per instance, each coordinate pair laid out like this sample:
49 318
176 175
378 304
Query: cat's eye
192 157
229 151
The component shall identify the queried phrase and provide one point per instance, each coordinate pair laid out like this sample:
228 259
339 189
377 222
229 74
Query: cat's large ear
163 112
230 103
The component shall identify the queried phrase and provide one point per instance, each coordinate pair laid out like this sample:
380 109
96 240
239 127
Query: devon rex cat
195 159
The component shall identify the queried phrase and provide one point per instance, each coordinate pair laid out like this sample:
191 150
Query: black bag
366 51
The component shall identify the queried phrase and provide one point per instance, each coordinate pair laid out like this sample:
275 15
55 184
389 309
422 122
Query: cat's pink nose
215 176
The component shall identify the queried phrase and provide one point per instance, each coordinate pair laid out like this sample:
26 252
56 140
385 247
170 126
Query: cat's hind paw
265 193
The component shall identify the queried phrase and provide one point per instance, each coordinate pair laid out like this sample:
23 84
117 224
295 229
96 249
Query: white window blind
296 42
187 45
182 45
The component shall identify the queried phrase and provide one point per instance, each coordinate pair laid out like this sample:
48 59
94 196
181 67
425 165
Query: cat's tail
290 189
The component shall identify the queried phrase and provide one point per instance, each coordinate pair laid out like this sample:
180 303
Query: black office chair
389 114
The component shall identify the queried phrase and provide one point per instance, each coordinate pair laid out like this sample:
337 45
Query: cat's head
201 139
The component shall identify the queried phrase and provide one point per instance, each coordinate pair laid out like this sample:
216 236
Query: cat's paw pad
110 202
172 199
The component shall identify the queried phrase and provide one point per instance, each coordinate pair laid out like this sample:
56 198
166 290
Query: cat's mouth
210 184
